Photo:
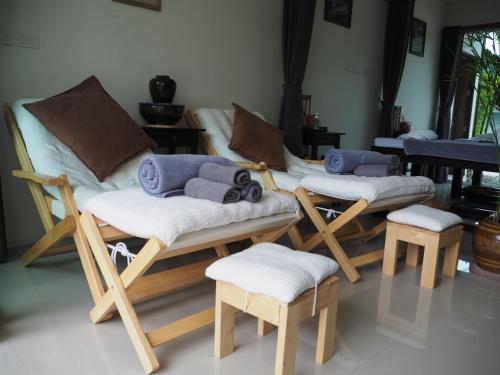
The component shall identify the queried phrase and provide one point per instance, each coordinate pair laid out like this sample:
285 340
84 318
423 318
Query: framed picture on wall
148 4
417 37
339 12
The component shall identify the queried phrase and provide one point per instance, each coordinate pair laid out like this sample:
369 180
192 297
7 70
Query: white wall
418 93
347 101
218 51
477 12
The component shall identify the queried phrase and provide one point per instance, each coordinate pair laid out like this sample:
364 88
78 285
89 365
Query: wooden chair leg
61 230
264 328
390 251
224 327
326 328
451 259
295 237
222 251
287 340
326 233
413 255
123 304
431 254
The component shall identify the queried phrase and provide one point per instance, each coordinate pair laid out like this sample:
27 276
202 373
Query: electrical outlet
27 40
5 37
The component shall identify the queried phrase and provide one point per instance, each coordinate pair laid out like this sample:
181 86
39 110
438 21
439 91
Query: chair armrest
254 166
309 161
39 178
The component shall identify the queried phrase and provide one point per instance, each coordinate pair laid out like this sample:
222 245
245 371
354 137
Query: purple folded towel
218 192
346 161
227 174
376 170
251 192
165 175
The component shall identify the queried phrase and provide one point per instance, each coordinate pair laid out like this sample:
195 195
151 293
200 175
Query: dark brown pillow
257 140
91 123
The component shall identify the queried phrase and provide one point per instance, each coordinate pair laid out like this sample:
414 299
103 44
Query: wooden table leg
224 327
431 254
413 255
287 340
456 183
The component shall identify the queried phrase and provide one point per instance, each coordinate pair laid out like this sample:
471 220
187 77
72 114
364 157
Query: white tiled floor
385 326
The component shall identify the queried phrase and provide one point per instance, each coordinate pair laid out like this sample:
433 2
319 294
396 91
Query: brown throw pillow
90 122
257 140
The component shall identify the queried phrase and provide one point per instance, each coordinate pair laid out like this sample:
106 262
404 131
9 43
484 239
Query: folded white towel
273 270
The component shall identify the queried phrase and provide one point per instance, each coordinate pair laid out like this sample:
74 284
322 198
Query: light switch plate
5 37
27 40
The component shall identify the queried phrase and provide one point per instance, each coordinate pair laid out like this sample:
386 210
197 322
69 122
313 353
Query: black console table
315 138
172 137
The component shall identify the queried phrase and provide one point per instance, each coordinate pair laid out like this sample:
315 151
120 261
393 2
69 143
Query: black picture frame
146 4
339 12
417 37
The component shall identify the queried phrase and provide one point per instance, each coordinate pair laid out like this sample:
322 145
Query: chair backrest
36 190
49 156
218 125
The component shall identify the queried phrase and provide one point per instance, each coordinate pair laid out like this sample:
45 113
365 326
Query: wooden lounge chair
345 226
120 291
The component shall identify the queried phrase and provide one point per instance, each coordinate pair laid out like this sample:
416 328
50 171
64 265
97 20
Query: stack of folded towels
362 163
198 176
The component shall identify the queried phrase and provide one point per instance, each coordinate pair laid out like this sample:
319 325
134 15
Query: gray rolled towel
376 170
226 174
346 161
251 192
201 188
166 175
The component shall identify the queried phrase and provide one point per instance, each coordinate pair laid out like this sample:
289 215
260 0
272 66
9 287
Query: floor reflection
405 309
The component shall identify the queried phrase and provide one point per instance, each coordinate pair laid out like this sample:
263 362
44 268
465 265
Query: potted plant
485 70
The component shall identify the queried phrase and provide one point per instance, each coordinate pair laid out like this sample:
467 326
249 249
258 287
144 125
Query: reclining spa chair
318 190
72 203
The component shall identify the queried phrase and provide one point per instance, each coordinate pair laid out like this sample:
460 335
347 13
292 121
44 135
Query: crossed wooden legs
230 299
43 247
327 234
133 285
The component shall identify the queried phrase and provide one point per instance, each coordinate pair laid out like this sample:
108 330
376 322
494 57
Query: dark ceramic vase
486 241
162 89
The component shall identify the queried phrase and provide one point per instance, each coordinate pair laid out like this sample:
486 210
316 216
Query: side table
315 138
172 137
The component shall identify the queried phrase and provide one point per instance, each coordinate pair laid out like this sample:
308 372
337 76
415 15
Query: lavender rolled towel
165 175
201 188
346 161
227 174
251 192
374 170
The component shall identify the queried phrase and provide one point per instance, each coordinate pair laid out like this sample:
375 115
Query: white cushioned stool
430 228
281 287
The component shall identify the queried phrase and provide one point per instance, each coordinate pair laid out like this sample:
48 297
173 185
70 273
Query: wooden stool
431 241
270 311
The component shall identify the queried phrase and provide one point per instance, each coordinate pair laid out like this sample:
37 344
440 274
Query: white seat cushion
273 270
142 215
354 188
425 217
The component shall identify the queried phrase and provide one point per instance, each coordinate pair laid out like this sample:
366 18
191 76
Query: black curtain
298 18
452 39
397 37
